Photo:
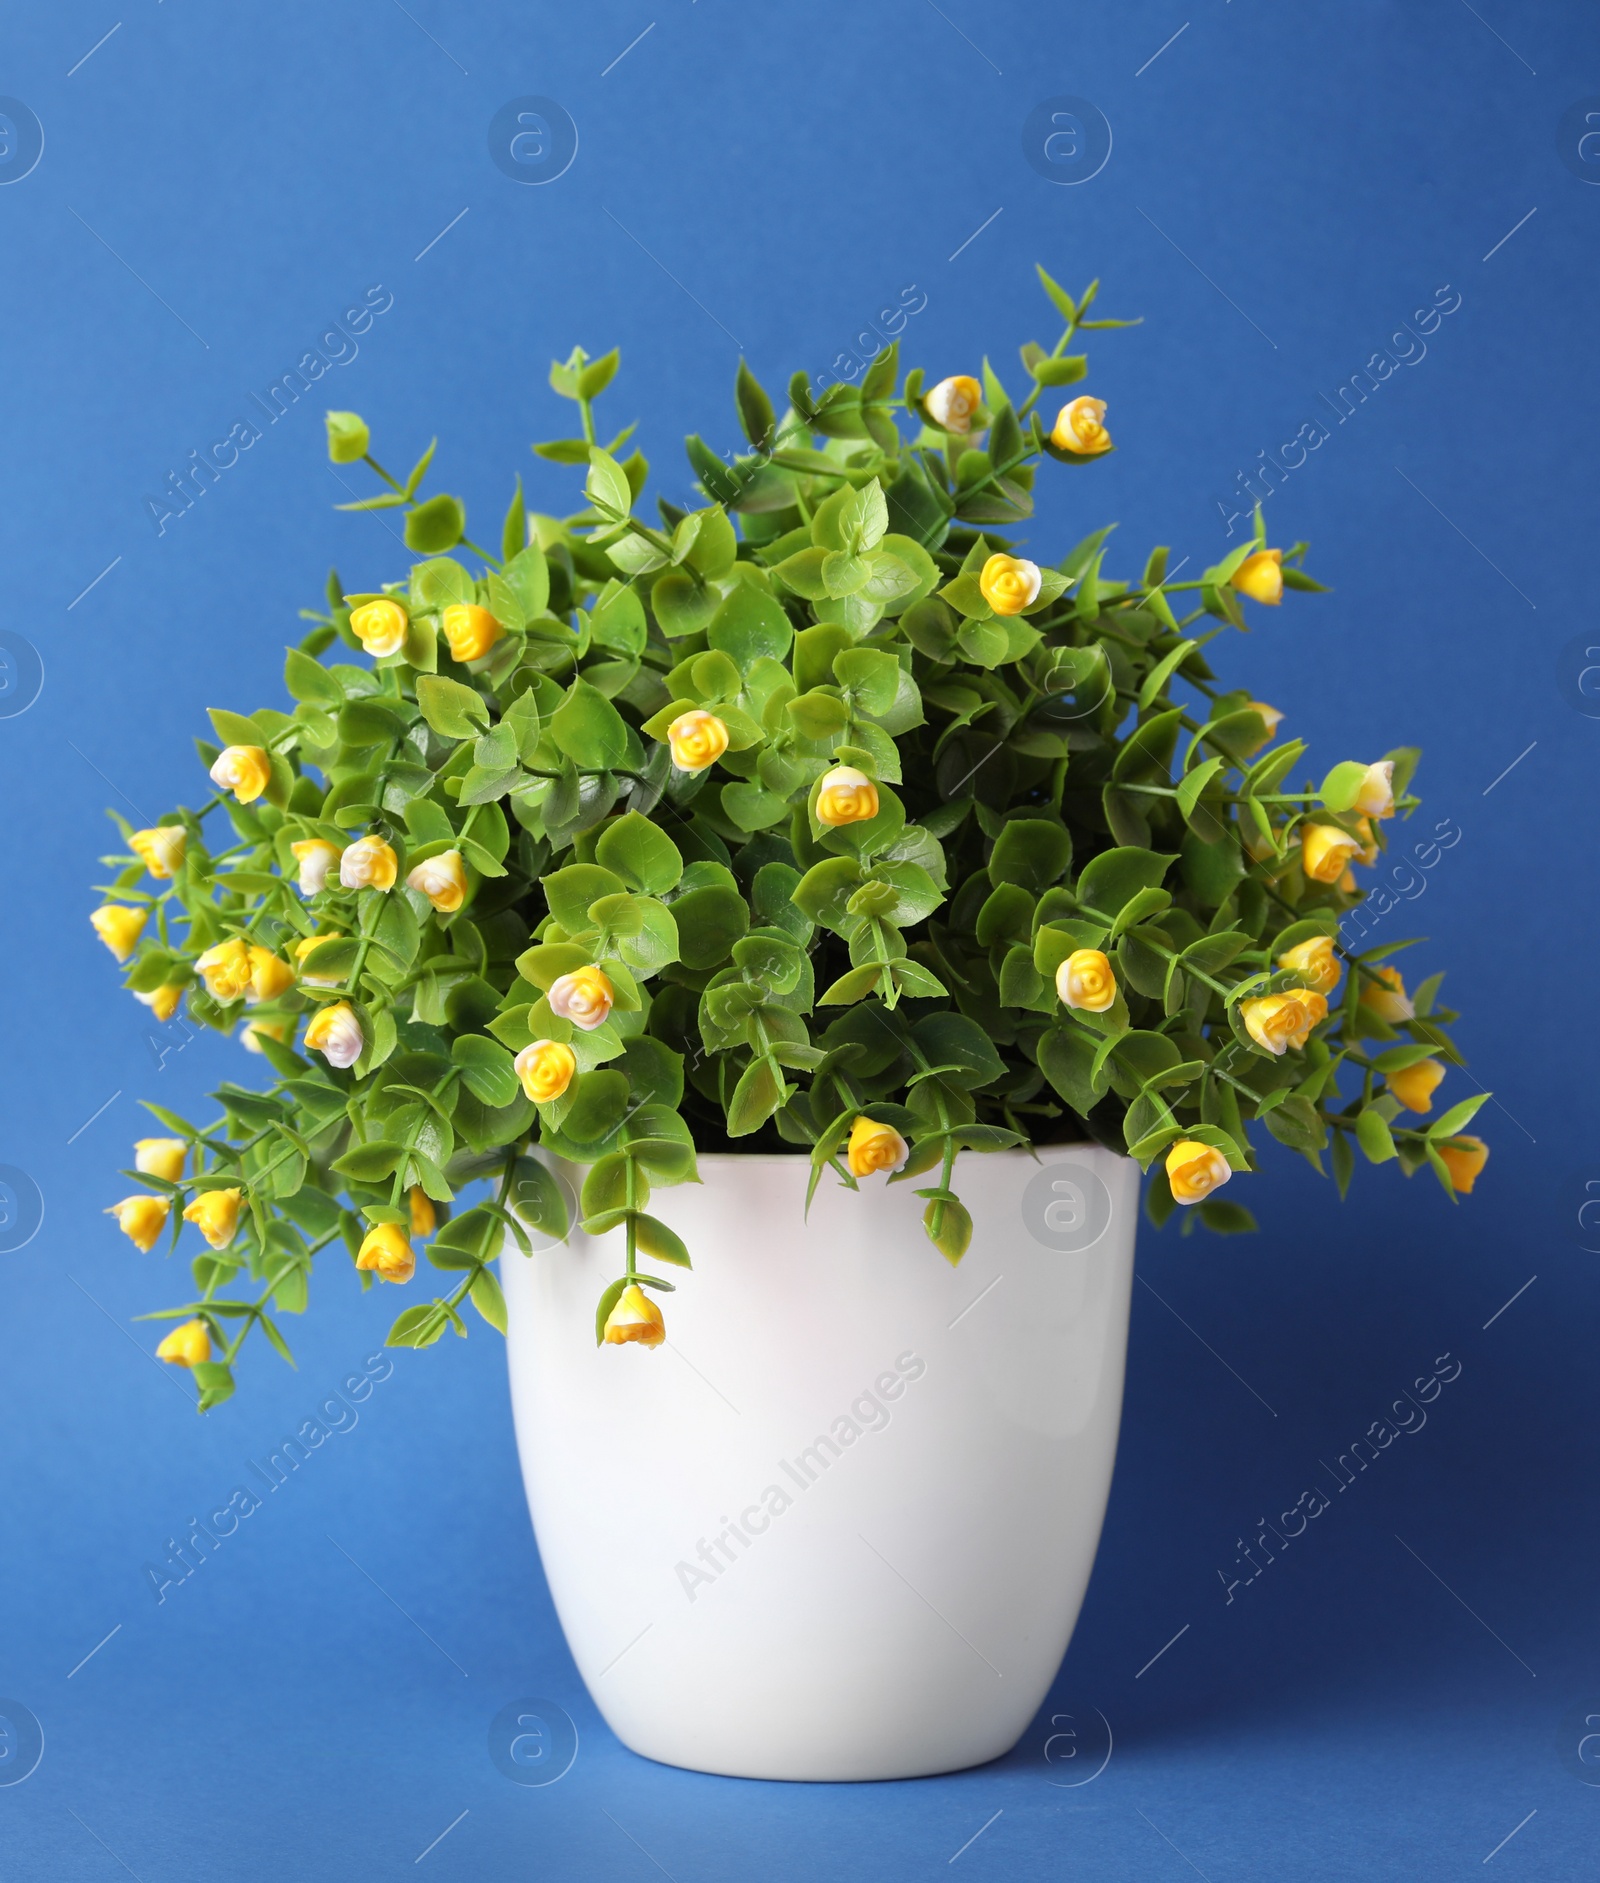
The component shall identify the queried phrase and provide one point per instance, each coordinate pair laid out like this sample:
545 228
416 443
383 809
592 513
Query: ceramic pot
838 1526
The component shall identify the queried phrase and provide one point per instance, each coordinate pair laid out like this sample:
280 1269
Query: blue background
1287 185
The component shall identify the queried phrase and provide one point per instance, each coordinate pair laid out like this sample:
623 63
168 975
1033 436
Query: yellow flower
442 879
335 1032
1464 1158
119 927
1261 576
160 1157
1325 850
1080 428
315 857
141 1219
952 402
226 970
253 1032
1009 584
369 863
245 770
1368 853
163 1003
635 1317
385 1249
1195 1170
846 796
1316 960
470 630
424 1217
545 1069
1390 1002
302 949
698 739
584 997
269 976
188 1345
215 1213
1278 1021
1376 796
874 1147
1414 1086
1085 981
1270 716
380 627
161 849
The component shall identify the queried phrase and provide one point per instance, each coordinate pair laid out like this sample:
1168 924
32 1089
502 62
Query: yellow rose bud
141 1219
583 997
952 402
1009 584
1278 1021
315 857
635 1318
161 849
269 976
215 1213
1080 428
188 1345
119 927
874 1147
1316 960
442 879
698 739
163 1003
1261 576
369 864
1325 851
253 1032
424 1217
380 627
1389 1001
1414 1086
335 1032
1464 1158
1376 796
1085 980
545 1069
225 970
1271 718
302 952
160 1157
470 630
245 770
1195 1170
846 796
385 1250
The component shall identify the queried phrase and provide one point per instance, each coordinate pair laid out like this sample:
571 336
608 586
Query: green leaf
589 729
371 1162
641 854
652 1237
1342 786
607 486
602 1313
435 526
486 1297
486 1069
1115 877
308 679
756 1097
755 408
1374 1136
1456 1118
451 709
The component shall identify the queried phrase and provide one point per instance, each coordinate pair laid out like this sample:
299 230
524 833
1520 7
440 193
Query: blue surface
1285 187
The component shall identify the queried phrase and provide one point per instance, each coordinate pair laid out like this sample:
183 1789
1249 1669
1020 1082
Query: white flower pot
840 1525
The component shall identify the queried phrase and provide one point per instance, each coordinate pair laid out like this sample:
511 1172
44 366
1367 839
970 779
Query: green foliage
1073 777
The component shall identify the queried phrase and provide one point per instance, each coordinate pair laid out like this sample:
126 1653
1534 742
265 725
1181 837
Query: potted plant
808 842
